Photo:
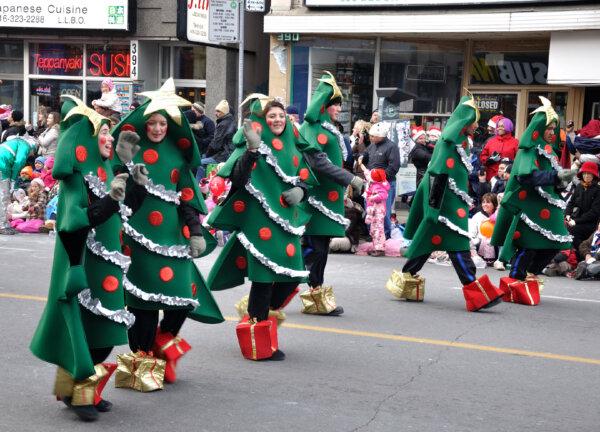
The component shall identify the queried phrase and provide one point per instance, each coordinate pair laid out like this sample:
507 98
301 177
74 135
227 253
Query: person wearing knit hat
85 315
16 126
162 240
376 197
325 150
38 164
109 103
438 218
583 210
530 224
25 177
221 146
501 146
202 127
420 154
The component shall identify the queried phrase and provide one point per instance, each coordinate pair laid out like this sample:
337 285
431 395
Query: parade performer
161 239
267 211
85 314
324 148
530 223
438 219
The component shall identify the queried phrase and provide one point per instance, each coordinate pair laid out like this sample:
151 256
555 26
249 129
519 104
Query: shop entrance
493 103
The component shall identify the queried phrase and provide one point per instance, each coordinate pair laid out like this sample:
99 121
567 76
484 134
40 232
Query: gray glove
197 126
117 187
139 173
293 196
127 146
358 185
197 246
253 139
566 175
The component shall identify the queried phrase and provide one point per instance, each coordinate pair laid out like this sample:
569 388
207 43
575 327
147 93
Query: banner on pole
224 17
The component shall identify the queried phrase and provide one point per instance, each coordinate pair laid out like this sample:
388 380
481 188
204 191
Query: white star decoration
165 99
95 118
547 109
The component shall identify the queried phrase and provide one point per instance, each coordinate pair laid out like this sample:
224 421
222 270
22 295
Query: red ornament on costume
264 233
322 139
522 195
101 174
257 127
516 235
110 284
185 231
166 274
126 250
461 212
128 127
187 194
436 239
450 163
239 206
175 176
155 218
535 135
216 186
184 143
150 156
241 263
295 161
303 174
290 250
333 196
80 153
548 148
194 289
545 214
277 144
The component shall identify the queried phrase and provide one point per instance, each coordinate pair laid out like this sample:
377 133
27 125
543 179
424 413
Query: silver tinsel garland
94 305
464 196
454 227
329 213
272 160
554 201
543 231
331 128
464 158
158 190
553 161
114 257
157 297
176 251
260 197
266 261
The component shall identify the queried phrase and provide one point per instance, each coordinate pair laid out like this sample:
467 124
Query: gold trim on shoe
63 383
84 391
406 286
318 301
140 371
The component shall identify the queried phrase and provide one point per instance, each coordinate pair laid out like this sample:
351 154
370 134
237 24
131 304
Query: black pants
268 295
316 250
461 261
530 261
143 332
100 354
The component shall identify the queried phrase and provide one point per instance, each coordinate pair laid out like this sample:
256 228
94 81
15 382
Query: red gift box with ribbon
257 340
480 293
525 292
170 347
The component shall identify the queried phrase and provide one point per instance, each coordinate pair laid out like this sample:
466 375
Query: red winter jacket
506 145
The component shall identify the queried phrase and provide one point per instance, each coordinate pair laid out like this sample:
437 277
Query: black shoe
103 406
86 413
337 311
66 400
278 355
8 231
493 303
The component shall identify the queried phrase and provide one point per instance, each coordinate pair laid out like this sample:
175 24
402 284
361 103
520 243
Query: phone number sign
66 14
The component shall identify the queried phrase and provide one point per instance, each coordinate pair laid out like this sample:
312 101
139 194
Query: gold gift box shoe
320 301
140 371
242 309
406 286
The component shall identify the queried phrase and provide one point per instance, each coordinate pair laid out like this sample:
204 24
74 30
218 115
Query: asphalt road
385 365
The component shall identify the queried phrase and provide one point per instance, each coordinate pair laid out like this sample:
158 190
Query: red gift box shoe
257 341
525 292
481 293
170 348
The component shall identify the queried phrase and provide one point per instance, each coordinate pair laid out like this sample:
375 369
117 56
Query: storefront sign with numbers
224 19
66 14
255 5
134 59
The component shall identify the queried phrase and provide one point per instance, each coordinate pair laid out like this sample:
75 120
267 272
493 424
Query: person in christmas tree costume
530 223
85 314
438 218
324 148
267 211
164 235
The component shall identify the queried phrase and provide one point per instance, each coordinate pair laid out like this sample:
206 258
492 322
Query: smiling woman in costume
85 315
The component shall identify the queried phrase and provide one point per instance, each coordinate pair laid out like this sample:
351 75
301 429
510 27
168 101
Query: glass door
491 103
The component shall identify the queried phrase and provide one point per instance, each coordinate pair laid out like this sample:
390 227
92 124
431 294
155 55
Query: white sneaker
498 265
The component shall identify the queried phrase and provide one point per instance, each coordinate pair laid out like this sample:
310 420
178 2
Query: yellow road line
409 339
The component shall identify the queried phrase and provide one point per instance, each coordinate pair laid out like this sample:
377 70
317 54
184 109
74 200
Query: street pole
240 93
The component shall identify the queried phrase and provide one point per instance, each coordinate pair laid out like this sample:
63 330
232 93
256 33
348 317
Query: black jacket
205 135
420 156
384 155
584 205
222 146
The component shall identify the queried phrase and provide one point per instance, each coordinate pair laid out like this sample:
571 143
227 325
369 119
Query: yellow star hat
80 108
165 99
547 109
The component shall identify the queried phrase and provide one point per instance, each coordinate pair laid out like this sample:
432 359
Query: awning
574 58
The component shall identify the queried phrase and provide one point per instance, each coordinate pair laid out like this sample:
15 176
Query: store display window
11 93
11 58
509 68
11 74
55 59
423 77
47 92
189 62
558 99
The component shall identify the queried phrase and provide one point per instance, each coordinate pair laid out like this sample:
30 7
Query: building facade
413 59
58 48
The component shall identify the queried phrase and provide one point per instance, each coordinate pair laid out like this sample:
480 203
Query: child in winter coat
18 208
25 177
480 241
109 103
36 210
46 175
377 194
38 165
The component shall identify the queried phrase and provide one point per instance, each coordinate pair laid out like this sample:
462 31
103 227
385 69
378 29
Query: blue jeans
204 162
389 208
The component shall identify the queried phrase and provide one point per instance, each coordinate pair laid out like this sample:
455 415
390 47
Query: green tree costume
265 244
85 308
162 274
530 216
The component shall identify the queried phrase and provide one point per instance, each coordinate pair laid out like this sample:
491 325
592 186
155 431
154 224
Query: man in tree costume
85 314
267 212
438 218
530 224
162 238
325 151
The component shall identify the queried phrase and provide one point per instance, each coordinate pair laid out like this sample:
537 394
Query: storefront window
55 59
193 94
11 93
165 62
47 92
189 62
558 99
491 104
351 61
11 58
108 61
423 78
510 68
